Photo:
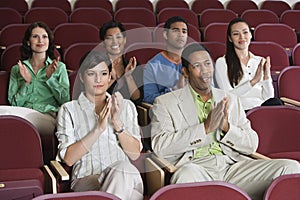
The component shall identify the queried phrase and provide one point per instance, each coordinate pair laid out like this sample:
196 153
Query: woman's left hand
267 68
130 66
117 106
52 67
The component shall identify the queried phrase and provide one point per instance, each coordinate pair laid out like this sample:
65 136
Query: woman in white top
98 134
241 72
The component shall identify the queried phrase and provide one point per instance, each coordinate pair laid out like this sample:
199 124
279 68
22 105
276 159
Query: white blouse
250 96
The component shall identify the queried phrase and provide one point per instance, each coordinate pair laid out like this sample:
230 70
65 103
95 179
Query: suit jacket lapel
187 107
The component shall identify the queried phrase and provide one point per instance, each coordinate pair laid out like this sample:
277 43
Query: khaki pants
121 179
253 176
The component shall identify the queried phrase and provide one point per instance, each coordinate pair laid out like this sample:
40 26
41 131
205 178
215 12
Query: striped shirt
76 119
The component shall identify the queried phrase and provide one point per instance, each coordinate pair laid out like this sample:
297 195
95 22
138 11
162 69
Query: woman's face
39 40
95 80
114 41
240 35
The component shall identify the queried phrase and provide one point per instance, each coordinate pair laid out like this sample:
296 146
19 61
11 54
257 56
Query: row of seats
287 46
275 34
215 23
282 187
286 81
146 50
25 176
148 18
196 5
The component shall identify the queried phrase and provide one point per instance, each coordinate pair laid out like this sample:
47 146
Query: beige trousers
121 179
253 176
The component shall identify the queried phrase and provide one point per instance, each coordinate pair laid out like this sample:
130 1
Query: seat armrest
288 101
146 105
142 115
155 176
63 174
50 181
163 163
259 156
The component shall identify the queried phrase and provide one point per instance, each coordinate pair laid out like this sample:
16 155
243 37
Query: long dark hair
234 67
26 51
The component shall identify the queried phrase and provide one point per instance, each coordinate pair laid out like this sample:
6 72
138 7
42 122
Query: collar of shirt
164 54
203 108
47 62
86 104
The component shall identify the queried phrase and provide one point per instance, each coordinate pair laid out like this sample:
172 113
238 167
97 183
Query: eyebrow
91 70
208 60
245 29
113 34
175 28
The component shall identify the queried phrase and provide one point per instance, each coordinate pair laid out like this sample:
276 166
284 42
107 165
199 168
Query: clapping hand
218 117
103 115
130 66
52 67
116 108
24 72
258 74
267 68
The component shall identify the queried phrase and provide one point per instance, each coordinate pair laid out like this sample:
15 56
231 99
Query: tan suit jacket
176 132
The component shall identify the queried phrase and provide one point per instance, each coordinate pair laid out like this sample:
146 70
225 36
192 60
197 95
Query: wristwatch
120 131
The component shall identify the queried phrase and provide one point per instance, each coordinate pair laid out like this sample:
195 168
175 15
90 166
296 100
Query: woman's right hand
258 74
103 116
24 72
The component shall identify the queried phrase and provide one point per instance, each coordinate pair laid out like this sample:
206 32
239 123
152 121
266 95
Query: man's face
177 35
200 71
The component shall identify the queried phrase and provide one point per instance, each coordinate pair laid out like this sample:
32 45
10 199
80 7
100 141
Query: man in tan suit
205 133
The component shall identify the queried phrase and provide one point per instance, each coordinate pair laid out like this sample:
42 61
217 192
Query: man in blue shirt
163 72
